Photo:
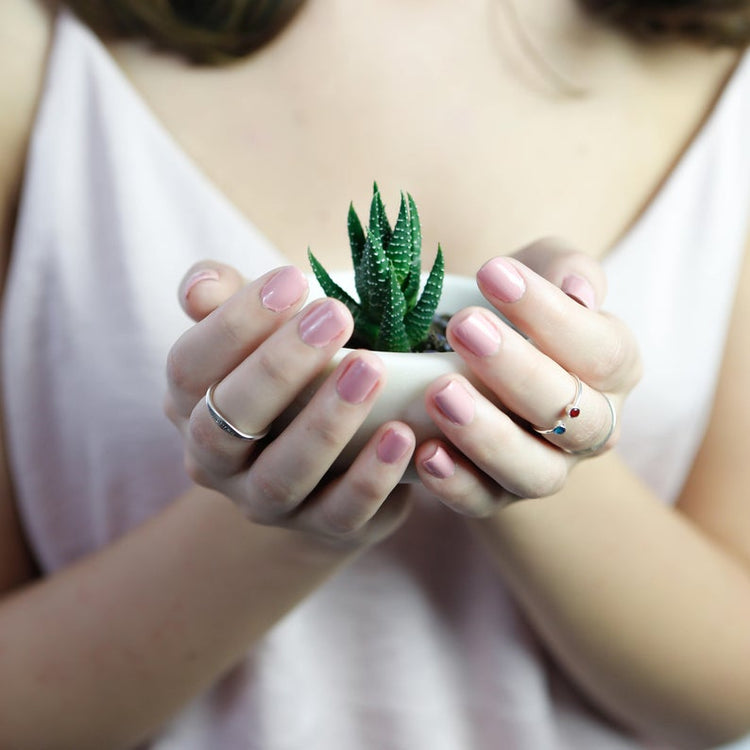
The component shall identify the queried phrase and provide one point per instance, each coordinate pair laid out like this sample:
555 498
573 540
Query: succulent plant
390 315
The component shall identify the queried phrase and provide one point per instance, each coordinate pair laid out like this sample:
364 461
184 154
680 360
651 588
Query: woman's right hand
260 347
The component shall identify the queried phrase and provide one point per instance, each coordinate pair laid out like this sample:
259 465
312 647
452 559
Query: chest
496 150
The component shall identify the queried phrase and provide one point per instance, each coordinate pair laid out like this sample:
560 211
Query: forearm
103 653
646 614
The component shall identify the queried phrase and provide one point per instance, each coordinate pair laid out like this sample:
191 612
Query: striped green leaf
418 320
393 336
331 288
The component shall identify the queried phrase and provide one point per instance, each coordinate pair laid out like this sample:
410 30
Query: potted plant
400 312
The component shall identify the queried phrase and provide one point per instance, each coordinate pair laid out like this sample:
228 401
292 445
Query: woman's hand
549 397
260 347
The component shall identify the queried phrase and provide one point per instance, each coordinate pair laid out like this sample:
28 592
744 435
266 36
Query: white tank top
416 646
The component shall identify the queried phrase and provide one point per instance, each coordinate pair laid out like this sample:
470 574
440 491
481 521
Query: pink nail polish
357 381
500 279
322 324
393 446
455 403
283 289
478 335
440 464
580 290
209 274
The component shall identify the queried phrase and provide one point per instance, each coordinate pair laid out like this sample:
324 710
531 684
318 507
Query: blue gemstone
559 429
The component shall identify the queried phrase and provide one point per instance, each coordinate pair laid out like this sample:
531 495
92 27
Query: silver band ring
594 449
224 423
572 411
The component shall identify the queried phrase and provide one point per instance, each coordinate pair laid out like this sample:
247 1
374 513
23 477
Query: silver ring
572 411
224 423
596 448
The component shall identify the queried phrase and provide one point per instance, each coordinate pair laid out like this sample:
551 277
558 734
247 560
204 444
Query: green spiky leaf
393 336
356 235
412 282
378 220
376 272
400 249
330 287
418 320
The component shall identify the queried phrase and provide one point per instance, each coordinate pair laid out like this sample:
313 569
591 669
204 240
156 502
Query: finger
457 482
292 466
517 460
530 384
263 385
578 275
598 347
217 344
346 509
206 286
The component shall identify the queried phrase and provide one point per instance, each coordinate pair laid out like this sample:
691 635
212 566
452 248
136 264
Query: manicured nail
209 274
321 325
478 335
502 280
283 289
440 464
357 381
455 403
580 290
393 446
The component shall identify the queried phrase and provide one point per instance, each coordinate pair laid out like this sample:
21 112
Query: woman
608 609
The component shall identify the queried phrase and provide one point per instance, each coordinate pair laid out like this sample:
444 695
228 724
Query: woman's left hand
549 397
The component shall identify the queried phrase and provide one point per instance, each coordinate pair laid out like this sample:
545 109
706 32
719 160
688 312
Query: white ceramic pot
408 374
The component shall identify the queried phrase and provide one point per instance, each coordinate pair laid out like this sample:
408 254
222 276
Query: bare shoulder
25 33
715 495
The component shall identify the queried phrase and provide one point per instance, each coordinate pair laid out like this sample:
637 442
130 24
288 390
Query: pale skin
675 678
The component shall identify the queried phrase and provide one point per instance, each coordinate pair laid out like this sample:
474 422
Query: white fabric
416 645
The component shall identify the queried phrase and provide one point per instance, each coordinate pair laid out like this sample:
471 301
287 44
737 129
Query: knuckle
197 472
367 488
618 361
327 432
180 370
202 433
233 325
611 360
544 483
341 523
275 495
274 369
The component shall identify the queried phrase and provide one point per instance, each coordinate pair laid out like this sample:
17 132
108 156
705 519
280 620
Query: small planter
408 374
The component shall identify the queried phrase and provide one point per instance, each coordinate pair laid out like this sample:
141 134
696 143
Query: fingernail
455 403
393 446
209 274
580 290
283 289
321 325
440 464
502 280
478 335
357 381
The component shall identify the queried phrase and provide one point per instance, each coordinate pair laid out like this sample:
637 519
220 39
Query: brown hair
204 32
222 30
722 22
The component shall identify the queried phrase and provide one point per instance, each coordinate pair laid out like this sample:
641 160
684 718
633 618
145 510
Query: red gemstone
574 412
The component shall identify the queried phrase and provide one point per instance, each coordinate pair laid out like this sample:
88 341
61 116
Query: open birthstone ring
571 411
